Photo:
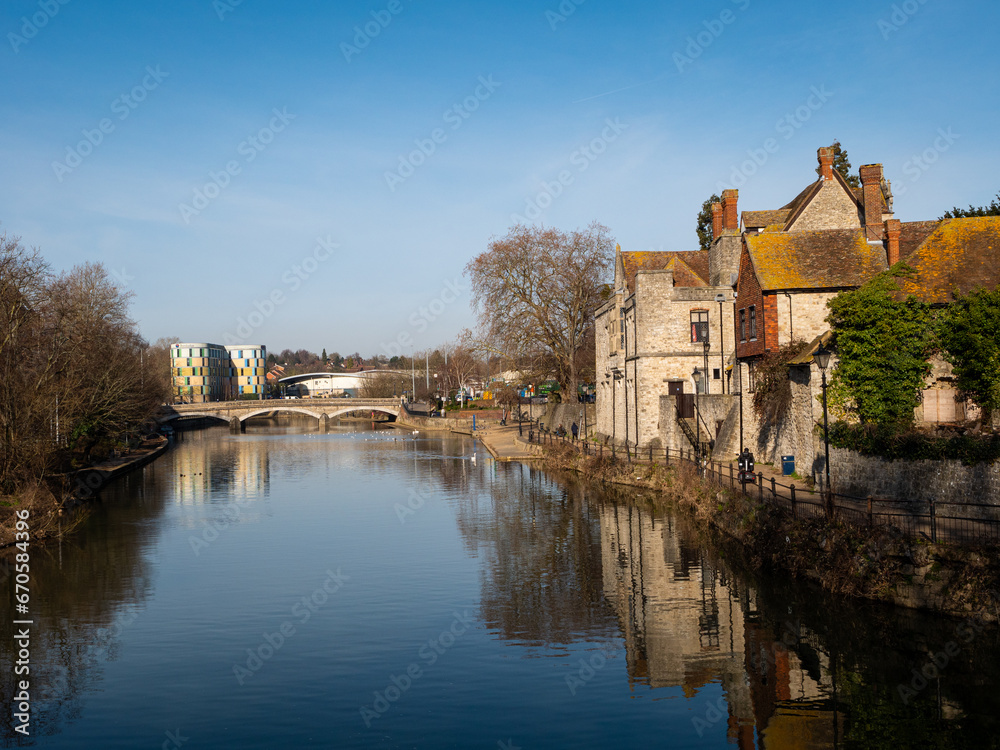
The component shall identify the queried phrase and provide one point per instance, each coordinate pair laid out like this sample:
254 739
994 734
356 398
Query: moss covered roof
825 259
958 256
690 267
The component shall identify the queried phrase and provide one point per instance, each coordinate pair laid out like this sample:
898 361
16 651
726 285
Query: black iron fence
968 523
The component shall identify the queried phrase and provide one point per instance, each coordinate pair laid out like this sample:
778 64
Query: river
382 589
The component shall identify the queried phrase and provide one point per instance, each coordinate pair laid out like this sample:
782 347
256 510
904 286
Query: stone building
669 317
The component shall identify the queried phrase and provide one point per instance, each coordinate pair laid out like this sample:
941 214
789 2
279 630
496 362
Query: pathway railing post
794 511
870 519
760 487
774 493
933 523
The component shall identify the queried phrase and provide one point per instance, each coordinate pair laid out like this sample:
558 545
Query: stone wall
794 434
831 208
919 481
803 317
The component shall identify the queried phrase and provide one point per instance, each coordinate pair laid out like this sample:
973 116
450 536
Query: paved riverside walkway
504 445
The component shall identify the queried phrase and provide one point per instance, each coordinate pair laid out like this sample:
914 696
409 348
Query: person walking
575 430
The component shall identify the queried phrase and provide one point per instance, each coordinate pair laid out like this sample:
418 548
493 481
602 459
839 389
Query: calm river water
380 589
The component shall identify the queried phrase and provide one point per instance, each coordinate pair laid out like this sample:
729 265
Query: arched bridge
237 412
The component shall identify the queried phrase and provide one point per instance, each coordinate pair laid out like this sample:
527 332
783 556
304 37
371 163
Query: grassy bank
876 563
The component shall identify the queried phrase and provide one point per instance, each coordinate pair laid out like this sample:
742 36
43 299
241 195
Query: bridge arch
348 410
273 409
218 416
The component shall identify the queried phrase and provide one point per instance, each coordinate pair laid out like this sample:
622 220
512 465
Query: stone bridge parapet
237 412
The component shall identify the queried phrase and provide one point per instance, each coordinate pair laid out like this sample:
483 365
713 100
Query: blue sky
352 157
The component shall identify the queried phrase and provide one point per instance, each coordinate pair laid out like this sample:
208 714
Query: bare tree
71 366
535 291
384 385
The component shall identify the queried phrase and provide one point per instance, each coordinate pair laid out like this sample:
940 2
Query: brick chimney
716 220
893 228
730 216
871 188
825 156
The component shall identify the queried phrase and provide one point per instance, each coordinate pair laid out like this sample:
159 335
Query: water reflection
764 663
720 654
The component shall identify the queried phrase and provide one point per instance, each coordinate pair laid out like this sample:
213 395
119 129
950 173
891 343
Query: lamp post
721 298
706 344
822 360
697 410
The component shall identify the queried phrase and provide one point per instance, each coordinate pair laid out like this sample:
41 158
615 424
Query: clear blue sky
184 88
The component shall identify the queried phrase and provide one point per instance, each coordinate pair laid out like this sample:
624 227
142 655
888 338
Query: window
743 324
752 376
716 374
753 322
699 326
621 325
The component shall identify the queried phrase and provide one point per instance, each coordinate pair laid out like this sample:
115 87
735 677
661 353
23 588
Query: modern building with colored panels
212 372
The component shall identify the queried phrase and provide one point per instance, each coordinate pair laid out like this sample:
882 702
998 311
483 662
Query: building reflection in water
689 623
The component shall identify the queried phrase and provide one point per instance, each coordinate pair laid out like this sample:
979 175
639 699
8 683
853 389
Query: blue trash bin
787 465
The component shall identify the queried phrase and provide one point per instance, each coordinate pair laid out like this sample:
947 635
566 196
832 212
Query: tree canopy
969 332
705 233
993 209
536 289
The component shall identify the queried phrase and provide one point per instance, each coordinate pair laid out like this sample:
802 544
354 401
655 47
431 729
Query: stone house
663 323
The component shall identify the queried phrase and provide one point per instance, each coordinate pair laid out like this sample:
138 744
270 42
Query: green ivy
886 441
883 345
969 332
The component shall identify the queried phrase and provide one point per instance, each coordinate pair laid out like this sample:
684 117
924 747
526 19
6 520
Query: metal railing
967 523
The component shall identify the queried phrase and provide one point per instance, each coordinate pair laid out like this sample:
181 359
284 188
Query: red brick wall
749 293
770 322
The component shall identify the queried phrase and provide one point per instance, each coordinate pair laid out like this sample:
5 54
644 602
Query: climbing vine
773 392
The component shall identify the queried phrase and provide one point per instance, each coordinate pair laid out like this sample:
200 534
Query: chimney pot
893 228
730 217
825 156
871 188
717 223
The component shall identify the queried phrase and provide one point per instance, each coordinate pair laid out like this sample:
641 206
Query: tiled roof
960 255
690 267
826 259
758 219
913 234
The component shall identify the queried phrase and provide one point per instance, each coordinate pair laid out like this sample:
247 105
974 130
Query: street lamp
822 360
721 298
697 410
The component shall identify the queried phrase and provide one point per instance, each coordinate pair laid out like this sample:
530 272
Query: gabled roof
690 267
959 256
824 259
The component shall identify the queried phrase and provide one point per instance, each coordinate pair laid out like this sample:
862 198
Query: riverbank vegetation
77 380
